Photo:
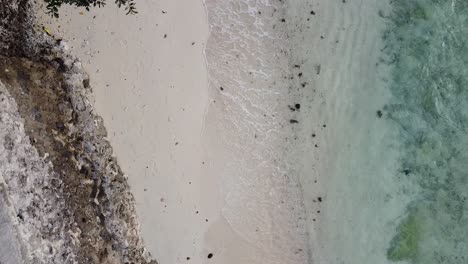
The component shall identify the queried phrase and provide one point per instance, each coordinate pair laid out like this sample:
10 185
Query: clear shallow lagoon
394 170
427 49
392 165
378 148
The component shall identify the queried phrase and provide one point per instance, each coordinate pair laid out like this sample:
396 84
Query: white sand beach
196 194
233 132
149 81
210 108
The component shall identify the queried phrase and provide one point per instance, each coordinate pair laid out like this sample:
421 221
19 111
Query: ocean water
427 48
347 152
350 124
394 172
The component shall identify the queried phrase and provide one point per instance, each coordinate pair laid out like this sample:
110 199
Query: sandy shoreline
149 83
173 144
219 153
234 131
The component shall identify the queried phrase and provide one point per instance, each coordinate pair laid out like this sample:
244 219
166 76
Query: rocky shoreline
67 198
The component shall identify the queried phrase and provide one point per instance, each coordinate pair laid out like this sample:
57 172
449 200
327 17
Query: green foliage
427 46
54 5
405 245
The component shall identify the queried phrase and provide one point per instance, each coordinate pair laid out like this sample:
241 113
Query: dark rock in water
379 113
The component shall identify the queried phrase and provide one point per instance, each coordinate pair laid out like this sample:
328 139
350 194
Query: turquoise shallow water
369 99
427 46
392 162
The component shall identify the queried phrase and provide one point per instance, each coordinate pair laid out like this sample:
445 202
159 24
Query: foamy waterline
249 80
295 93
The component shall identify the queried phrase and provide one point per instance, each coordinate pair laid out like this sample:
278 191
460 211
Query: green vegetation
427 46
406 244
54 5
